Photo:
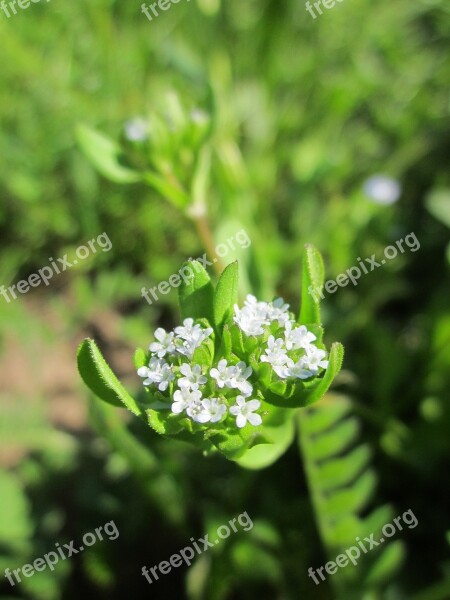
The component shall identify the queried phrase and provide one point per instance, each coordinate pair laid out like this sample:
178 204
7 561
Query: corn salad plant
230 378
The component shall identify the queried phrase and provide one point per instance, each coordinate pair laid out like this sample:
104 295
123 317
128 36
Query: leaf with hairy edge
163 423
226 295
105 155
313 274
100 379
197 295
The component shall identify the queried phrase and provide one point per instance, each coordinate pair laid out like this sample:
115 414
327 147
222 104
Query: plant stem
204 232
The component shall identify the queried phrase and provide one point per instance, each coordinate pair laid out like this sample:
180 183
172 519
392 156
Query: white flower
275 353
185 398
164 345
298 370
314 359
250 325
297 338
223 374
198 413
382 189
244 411
192 376
275 346
309 364
188 330
284 370
252 318
239 374
157 372
234 376
213 409
136 130
248 322
278 311
190 337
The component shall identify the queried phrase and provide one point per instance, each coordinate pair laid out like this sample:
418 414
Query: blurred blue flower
382 189
136 130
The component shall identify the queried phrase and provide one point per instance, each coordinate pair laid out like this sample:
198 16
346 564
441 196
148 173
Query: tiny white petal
253 405
241 421
254 419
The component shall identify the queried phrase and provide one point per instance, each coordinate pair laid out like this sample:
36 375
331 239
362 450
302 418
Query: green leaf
341 471
376 519
15 523
140 358
353 499
263 455
262 370
438 204
201 176
386 564
227 343
342 533
313 274
326 414
167 189
202 356
337 440
226 295
233 444
256 563
100 379
197 294
163 422
105 155
278 387
237 340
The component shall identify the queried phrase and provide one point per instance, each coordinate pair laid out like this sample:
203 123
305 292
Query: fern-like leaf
342 485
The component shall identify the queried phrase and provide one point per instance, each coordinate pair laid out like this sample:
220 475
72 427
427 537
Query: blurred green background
299 114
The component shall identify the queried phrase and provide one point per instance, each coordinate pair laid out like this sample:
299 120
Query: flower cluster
204 399
293 354
231 388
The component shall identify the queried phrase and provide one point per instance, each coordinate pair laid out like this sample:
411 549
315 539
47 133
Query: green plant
342 486
267 376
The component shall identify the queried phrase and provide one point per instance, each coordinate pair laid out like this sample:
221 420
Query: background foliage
302 112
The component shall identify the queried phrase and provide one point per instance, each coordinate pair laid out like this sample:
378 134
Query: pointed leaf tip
196 292
226 294
99 378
